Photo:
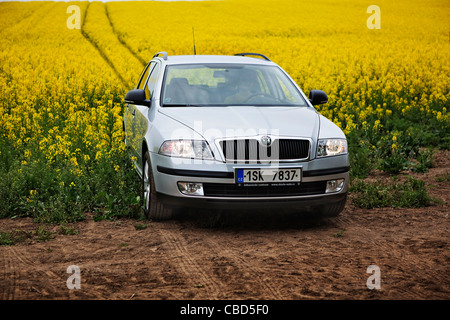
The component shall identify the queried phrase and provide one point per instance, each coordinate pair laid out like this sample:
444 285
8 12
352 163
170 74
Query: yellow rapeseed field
62 89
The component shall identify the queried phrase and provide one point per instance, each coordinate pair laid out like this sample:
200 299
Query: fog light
191 188
334 185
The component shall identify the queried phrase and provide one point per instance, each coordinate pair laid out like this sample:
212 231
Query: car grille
251 150
233 190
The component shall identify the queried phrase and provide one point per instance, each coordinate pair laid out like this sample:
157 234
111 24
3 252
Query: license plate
263 175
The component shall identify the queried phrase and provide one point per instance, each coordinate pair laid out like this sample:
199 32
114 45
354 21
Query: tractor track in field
36 14
102 53
123 42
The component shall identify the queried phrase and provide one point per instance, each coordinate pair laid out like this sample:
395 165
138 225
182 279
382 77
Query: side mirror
317 97
137 96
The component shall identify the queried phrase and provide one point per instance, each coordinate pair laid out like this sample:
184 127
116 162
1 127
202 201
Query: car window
144 75
283 91
152 80
228 85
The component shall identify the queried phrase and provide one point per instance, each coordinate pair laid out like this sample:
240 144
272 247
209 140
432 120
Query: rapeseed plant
62 90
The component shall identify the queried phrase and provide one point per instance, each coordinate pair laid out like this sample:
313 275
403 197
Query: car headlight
194 149
331 147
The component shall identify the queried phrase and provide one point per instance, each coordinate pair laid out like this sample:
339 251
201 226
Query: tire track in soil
39 274
186 261
8 276
15 260
406 270
269 291
418 272
46 282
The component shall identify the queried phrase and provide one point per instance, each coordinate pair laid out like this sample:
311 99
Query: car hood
226 122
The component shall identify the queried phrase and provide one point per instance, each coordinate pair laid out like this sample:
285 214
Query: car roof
187 59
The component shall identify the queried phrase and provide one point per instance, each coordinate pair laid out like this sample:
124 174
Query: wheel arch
144 148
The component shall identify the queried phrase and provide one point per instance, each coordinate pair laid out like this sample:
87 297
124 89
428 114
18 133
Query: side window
144 75
150 86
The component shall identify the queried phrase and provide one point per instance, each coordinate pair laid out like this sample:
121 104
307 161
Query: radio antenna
193 38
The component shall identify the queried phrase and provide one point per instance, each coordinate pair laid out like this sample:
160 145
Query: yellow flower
74 161
377 125
64 111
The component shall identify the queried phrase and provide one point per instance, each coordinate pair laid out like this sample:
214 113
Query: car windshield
228 85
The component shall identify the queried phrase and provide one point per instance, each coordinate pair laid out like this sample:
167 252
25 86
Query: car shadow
252 219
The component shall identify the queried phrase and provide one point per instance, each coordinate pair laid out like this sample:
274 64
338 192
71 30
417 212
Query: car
232 132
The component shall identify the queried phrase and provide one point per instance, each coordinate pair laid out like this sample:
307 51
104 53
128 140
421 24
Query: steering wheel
256 95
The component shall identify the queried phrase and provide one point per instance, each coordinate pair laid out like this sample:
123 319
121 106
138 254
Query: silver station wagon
232 132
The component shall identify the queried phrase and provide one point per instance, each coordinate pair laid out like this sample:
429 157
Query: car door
132 138
141 120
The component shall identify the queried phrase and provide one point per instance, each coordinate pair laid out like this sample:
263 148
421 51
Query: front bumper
221 191
297 203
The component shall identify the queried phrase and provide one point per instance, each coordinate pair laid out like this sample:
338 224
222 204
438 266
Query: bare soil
241 255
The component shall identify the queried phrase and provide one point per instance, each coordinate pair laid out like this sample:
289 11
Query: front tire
153 209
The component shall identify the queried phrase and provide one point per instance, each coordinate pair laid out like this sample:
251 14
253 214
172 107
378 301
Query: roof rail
164 54
252 54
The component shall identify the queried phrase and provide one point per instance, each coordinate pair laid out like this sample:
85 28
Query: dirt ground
253 255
